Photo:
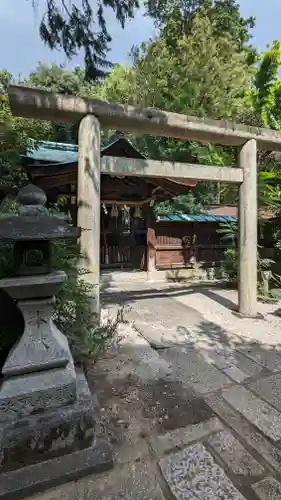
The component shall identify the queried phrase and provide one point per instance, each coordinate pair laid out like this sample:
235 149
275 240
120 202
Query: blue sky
22 49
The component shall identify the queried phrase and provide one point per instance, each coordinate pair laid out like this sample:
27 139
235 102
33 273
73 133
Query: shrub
229 232
73 311
230 265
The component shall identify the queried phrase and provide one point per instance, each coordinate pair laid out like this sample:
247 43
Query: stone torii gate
92 114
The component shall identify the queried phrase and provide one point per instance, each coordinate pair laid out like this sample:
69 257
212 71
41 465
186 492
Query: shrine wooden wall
175 245
181 244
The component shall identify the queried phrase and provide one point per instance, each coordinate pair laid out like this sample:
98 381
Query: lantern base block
53 447
25 395
41 478
39 372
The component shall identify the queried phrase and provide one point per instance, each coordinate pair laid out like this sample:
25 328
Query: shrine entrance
125 202
123 237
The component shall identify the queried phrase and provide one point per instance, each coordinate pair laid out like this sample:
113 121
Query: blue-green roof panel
58 152
195 218
54 152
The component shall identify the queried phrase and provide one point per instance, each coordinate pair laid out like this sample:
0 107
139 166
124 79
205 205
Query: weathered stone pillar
88 202
151 243
247 265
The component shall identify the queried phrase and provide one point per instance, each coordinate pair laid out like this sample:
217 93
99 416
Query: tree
119 84
184 204
267 92
266 99
203 71
66 26
56 78
200 75
175 18
17 135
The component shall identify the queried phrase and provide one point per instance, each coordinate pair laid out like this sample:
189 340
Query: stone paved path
192 400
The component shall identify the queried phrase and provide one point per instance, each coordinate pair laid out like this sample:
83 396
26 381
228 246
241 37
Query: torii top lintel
40 104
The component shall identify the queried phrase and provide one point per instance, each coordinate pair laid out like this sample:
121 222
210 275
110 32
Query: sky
22 49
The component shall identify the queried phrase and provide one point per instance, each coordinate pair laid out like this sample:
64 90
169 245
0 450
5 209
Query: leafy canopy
175 18
74 26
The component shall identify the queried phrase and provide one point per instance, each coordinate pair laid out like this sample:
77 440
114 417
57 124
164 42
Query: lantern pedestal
39 372
47 414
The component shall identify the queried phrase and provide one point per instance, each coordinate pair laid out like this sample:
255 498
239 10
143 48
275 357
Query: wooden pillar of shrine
151 242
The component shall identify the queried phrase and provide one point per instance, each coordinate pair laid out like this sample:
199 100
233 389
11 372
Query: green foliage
56 78
90 345
267 93
270 191
206 82
230 265
73 310
228 231
220 193
74 26
266 100
119 84
202 74
17 135
276 293
185 204
175 17
199 63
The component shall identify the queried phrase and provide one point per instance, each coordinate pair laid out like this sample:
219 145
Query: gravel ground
215 305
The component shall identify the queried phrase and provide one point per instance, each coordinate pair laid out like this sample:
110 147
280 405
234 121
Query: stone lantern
46 410
32 232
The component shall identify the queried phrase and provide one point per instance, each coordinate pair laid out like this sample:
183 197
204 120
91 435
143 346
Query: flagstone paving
261 414
268 489
193 473
269 389
191 399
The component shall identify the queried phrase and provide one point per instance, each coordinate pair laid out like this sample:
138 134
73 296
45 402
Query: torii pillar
248 228
88 204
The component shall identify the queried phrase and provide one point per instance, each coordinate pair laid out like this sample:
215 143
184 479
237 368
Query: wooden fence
177 245
186 244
